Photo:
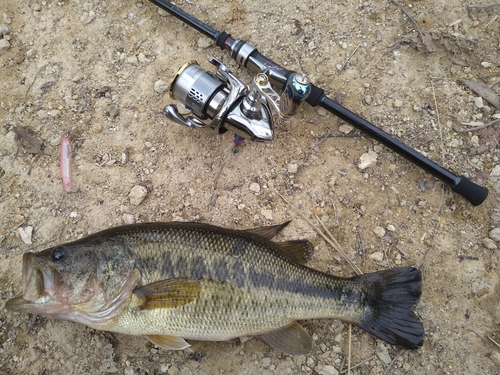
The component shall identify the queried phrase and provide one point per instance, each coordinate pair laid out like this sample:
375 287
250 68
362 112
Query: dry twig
458 130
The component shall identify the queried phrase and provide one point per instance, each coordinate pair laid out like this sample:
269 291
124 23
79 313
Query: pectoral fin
168 293
292 339
168 342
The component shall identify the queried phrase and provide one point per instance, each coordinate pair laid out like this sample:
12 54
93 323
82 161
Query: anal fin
292 339
168 342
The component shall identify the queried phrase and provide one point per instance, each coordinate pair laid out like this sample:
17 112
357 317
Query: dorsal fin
299 250
268 232
292 339
168 293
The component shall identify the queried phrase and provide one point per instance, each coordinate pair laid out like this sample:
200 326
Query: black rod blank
474 193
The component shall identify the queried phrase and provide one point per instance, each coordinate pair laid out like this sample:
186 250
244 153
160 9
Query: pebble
132 60
129 371
292 168
489 243
495 357
268 214
326 370
205 42
163 12
137 194
495 234
143 58
4 30
478 101
161 86
128 219
367 160
495 172
173 370
398 103
383 354
379 232
25 234
4 46
114 111
255 187
345 129
377 256
7 19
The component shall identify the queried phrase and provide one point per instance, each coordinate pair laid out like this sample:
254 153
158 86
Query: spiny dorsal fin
168 293
292 339
268 232
168 342
299 250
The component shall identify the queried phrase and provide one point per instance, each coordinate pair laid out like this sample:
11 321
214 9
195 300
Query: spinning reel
227 103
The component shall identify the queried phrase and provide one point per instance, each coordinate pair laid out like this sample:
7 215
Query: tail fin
393 293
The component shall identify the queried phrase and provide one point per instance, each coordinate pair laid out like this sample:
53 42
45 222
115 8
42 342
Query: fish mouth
39 287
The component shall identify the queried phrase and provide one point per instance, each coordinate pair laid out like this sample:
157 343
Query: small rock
143 58
161 86
128 219
4 30
379 232
322 112
205 42
391 228
266 362
7 19
114 111
377 256
398 103
495 357
495 172
268 214
173 370
345 129
137 194
368 160
478 101
255 187
489 243
129 371
36 7
132 60
163 13
292 168
486 64
367 99
383 354
326 370
4 46
495 234
25 234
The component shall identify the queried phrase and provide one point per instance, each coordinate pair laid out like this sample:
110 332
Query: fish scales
175 281
241 294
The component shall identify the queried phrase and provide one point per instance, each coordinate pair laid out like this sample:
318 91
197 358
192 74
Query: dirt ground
90 67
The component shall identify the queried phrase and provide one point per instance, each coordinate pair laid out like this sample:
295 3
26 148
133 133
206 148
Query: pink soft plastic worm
66 150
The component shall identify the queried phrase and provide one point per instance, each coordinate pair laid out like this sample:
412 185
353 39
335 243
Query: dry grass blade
494 342
386 372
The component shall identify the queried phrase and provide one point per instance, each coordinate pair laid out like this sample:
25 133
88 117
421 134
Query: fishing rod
246 110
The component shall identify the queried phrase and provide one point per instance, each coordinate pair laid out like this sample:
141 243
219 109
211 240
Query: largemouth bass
175 281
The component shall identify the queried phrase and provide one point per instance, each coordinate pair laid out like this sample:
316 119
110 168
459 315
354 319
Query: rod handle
474 193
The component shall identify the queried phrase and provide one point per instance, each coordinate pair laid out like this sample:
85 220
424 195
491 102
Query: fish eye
59 254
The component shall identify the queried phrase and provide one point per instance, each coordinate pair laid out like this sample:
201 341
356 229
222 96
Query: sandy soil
90 67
